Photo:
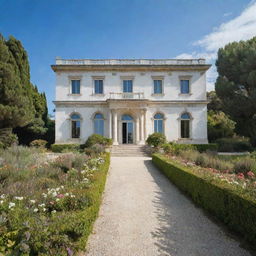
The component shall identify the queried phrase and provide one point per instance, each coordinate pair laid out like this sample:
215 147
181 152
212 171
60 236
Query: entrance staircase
130 150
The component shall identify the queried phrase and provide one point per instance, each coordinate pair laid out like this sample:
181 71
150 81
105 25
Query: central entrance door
127 129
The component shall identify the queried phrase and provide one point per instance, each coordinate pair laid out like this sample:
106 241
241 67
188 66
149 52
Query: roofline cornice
125 68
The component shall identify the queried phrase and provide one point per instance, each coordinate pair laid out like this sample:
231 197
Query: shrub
97 139
7 138
98 148
230 205
177 148
245 165
38 143
206 147
156 139
236 144
59 148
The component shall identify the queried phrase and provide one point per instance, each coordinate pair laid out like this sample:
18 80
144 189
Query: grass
48 208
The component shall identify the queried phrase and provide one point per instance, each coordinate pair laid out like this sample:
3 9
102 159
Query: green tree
15 107
236 85
215 102
219 125
22 107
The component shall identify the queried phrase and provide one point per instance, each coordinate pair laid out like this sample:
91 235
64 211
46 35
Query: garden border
236 211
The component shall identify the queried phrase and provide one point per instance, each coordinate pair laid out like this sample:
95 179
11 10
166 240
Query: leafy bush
206 147
59 148
7 138
97 139
236 144
38 143
227 203
219 125
156 139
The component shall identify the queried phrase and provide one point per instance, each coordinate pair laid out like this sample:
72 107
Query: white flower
36 210
44 195
54 193
32 201
1 202
41 205
57 199
67 194
44 209
11 205
62 186
19 198
2 196
72 196
54 211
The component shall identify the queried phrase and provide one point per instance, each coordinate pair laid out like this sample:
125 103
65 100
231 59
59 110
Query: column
142 139
137 125
145 125
115 142
110 123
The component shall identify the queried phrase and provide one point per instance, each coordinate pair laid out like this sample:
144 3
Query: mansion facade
129 99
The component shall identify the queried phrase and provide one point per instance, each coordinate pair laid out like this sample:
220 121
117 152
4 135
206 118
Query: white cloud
243 27
227 14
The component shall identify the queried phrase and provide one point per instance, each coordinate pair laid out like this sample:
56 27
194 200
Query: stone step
130 150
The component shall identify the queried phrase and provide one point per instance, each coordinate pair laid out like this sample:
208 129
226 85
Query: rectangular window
127 86
75 86
158 125
98 86
75 129
158 86
184 86
185 129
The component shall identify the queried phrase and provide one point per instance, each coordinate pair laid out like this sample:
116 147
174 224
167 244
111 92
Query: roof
130 64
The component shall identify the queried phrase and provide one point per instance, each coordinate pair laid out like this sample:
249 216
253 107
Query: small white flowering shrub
48 209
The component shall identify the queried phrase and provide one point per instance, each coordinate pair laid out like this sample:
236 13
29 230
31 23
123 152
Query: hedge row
87 217
59 148
234 209
176 148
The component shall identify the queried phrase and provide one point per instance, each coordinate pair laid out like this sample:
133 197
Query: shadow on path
184 229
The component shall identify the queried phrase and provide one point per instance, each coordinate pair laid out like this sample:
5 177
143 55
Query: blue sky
123 29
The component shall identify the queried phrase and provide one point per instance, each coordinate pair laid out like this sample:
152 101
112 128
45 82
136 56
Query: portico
127 125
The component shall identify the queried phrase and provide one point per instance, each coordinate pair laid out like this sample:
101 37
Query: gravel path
144 214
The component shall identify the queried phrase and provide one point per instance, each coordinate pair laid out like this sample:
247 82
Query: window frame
188 78
72 78
159 78
95 78
72 120
157 120
189 125
123 78
98 119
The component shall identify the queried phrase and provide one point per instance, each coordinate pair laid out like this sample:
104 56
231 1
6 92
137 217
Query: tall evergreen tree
236 85
21 105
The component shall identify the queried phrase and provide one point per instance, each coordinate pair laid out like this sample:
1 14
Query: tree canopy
236 85
21 105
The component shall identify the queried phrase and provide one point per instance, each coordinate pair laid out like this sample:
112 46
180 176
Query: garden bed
49 208
231 202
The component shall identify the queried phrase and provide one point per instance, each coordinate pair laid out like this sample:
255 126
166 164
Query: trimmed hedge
59 148
176 148
236 210
87 217
206 147
236 144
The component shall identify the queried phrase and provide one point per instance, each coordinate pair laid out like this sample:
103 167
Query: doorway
127 129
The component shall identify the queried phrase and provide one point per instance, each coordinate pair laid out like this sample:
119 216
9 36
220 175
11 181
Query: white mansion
129 99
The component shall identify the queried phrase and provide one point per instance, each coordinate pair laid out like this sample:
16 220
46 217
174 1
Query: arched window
99 124
126 118
185 125
75 125
158 123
